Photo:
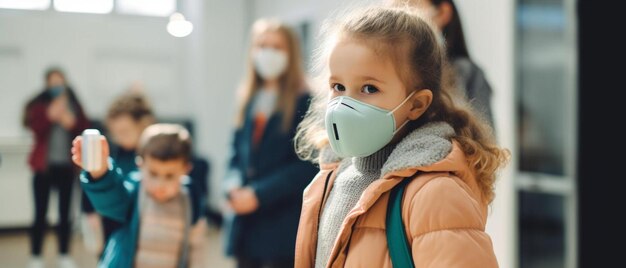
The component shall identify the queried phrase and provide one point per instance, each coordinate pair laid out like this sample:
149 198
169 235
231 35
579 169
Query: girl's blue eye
338 87
369 89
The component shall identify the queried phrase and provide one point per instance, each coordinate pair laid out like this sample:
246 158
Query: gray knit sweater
354 176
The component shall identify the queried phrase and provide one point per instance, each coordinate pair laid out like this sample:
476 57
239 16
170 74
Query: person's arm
233 178
111 195
197 244
37 118
446 228
109 192
235 155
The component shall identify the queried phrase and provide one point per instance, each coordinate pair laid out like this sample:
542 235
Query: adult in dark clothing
55 117
266 179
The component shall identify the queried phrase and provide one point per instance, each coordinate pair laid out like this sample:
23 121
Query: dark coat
278 178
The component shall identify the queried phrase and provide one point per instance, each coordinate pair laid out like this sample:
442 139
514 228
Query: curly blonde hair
409 40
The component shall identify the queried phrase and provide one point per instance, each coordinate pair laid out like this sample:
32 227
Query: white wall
489 29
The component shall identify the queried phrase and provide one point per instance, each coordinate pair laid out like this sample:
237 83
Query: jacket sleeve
111 196
233 177
234 157
446 228
37 118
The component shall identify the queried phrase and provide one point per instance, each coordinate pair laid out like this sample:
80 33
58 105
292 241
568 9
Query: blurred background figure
266 178
159 210
467 76
127 117
55 117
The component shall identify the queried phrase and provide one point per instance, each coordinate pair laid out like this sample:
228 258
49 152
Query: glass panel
84 6
147 7
543 53
25 4
542 230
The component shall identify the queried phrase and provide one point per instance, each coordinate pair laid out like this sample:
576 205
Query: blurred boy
162 223
126 119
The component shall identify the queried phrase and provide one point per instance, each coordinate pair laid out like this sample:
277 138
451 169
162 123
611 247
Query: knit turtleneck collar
373 162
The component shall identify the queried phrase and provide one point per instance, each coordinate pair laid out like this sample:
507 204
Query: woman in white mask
266 178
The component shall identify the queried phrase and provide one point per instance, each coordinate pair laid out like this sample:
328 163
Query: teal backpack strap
399 248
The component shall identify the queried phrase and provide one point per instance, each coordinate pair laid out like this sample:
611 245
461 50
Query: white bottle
92 150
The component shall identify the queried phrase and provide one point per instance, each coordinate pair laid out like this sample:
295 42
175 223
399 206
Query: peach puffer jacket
443 211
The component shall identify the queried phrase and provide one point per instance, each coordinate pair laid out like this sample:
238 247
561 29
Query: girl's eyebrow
366 78
372 79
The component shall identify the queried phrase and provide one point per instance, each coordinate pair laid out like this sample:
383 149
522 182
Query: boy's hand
77 152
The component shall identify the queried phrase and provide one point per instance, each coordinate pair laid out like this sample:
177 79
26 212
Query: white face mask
270 63
356 128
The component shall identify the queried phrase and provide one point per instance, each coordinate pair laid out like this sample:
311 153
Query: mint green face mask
356 128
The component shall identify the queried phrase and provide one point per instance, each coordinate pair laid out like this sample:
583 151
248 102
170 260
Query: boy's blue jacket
116 197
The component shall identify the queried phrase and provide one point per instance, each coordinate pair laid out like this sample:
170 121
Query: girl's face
357 71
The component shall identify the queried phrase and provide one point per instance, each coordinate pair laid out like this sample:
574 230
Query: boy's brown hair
165 142
133 104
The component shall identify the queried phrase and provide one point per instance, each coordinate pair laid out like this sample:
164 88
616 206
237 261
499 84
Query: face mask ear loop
398 107
404 124
403 102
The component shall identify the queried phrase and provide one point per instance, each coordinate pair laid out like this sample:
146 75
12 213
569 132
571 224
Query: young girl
385 112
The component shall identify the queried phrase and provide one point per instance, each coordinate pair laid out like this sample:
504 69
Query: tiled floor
14 251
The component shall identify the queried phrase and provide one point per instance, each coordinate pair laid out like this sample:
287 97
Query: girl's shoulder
441 201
